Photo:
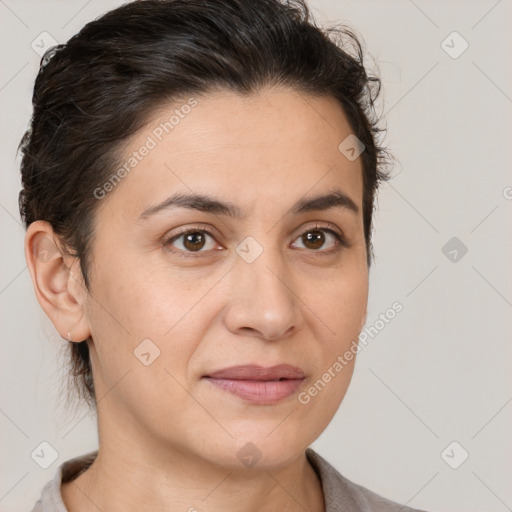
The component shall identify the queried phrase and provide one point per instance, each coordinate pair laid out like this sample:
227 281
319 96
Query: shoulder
340 493
51 497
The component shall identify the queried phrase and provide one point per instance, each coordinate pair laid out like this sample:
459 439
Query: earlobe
59 292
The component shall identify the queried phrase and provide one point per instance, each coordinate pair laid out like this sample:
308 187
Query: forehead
260 146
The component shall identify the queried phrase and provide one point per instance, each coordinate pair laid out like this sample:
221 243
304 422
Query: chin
259 451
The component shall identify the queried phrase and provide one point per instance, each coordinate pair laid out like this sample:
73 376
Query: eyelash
340 242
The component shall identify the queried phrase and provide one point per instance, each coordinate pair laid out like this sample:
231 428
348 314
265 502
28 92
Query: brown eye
317 238
192 241
313 239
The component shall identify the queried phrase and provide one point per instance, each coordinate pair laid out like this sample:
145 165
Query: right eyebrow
199 202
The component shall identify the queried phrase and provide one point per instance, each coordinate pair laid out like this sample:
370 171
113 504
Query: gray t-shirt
340 494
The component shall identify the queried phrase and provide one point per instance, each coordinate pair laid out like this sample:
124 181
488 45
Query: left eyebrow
336 198
209 204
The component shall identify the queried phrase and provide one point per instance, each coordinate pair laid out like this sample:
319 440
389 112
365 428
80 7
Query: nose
263 301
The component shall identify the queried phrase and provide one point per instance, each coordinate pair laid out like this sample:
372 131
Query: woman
198 186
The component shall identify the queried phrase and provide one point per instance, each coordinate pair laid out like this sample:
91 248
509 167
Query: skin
168 438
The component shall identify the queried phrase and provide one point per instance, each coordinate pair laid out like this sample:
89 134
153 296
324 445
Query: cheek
342 308
135 299
138 310
136 366
342 304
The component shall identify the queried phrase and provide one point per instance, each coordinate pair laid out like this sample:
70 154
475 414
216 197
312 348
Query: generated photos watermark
356 346
151 142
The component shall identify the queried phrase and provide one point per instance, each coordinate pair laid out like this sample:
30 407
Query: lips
253 372
257 384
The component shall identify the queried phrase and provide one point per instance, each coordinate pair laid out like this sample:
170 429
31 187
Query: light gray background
441 370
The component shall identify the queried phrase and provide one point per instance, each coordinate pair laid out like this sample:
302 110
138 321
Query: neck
134 476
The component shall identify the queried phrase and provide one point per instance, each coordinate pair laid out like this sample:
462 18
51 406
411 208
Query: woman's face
262 281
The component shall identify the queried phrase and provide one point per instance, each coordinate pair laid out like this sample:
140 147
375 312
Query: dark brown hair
103 85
